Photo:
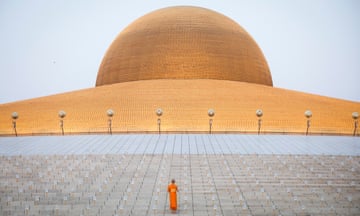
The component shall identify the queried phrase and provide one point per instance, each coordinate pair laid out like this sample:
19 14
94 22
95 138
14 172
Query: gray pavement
216 175
180 144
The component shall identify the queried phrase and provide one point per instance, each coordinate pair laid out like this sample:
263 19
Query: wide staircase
209 184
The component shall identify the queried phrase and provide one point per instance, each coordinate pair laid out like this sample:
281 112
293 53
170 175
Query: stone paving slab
134 184
216 175
181 144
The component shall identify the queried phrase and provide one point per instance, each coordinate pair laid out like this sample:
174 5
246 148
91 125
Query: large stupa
184 60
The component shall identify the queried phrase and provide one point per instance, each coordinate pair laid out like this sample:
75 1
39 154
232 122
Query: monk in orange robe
172 189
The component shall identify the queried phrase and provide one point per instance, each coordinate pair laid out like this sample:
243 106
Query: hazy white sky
49 47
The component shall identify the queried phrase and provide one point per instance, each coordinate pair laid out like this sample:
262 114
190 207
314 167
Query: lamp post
159 113
308 115
211 113
110 114
259 114
14 116
355 116
62 115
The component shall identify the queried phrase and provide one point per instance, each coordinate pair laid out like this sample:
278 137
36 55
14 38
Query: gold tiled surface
209 184
184 43
185 104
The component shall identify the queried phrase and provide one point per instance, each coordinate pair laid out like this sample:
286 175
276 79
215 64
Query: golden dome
187 60
184 43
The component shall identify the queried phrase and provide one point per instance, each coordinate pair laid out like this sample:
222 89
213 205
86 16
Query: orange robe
172 189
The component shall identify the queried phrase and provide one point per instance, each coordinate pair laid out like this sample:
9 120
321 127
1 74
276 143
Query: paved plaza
216 175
